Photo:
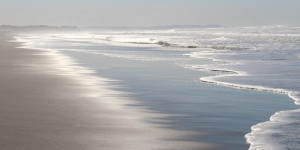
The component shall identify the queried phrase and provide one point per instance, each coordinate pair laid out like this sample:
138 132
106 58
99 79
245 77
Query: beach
42 110
123 89
43 107
149 75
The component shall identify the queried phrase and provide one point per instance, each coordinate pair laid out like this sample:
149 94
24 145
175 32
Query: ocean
239 85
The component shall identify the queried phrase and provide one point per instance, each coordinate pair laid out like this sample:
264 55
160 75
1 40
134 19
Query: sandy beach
76 90
44 105
149 75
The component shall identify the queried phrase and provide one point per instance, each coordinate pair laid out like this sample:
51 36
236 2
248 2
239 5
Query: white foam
271 59
281 131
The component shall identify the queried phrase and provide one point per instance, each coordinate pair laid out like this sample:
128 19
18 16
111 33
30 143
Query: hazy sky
150 12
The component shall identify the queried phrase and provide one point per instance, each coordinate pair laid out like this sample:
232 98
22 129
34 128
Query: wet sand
46 105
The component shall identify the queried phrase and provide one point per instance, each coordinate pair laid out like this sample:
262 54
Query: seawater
187 72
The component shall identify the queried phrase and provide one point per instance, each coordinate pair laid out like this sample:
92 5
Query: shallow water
225 114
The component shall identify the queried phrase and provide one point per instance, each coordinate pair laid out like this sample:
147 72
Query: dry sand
44 105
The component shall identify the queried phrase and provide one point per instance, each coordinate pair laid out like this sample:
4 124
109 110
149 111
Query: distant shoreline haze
13 27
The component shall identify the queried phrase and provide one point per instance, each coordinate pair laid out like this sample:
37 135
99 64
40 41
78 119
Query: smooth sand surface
44 106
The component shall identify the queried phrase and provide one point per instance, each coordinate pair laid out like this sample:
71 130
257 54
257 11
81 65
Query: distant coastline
76 28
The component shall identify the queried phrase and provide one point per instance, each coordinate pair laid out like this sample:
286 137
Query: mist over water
254 58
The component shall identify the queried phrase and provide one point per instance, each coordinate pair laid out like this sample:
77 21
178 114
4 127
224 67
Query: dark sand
44 105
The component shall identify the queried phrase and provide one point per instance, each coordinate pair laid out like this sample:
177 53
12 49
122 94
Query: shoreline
46 104
127 89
